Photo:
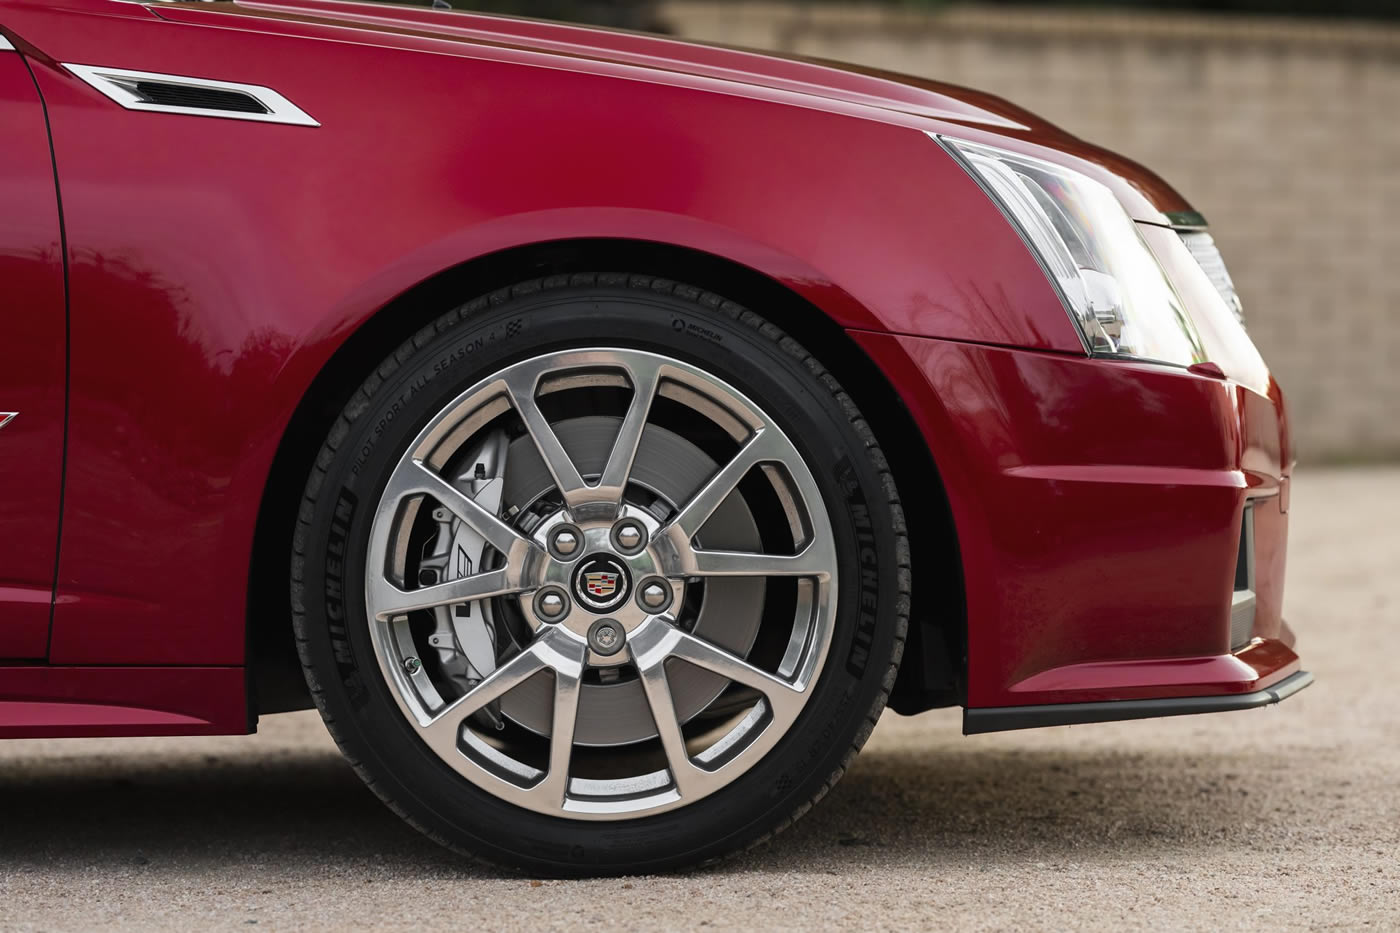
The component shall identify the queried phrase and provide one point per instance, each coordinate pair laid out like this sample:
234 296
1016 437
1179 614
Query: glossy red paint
69 702
31 367
1098 506
243 281
216 266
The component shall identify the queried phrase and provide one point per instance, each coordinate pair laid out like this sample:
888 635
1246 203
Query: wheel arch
932 672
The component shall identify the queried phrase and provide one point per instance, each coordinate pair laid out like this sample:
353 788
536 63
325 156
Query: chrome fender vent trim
196 97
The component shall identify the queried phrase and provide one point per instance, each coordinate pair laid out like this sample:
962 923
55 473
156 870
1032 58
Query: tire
369 670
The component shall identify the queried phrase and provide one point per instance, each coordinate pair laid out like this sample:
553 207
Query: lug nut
606 637
629 536
654 595
564 542
551 604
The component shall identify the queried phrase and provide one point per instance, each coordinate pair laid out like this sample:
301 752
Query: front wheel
600 574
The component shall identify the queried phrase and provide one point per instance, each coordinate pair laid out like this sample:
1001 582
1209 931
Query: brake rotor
671 467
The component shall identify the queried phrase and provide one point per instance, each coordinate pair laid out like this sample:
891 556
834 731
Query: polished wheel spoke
783 695
413 478
810 562
645 378
668 727
390 601
759 448
522 386
660 640
441 730
566 659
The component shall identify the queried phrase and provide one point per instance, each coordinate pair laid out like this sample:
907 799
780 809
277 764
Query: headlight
1090 248
1207 255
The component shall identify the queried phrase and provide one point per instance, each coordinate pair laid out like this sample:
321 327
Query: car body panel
218 265
32 365
834 86
162 222
1098 507
70 702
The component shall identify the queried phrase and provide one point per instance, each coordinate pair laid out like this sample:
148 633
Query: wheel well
933 670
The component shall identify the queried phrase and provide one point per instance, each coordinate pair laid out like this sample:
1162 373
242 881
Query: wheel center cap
601 583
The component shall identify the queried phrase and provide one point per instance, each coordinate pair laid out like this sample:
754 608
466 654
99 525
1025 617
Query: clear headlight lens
1203 249
1113 286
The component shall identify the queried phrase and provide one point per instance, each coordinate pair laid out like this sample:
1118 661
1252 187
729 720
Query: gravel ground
1279 819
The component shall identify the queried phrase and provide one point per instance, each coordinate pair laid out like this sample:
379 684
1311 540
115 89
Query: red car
600 430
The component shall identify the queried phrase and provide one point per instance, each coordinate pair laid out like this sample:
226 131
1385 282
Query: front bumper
1004 718
1099 507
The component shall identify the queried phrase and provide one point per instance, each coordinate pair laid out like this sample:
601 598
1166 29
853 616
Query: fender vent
196 97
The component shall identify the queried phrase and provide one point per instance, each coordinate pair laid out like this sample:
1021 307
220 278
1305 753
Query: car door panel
33 334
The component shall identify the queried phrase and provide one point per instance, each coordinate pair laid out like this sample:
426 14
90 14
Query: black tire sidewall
423 377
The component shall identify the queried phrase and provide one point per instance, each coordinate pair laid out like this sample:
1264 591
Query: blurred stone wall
1285 134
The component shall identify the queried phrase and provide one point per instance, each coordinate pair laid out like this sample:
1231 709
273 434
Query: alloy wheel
601 583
